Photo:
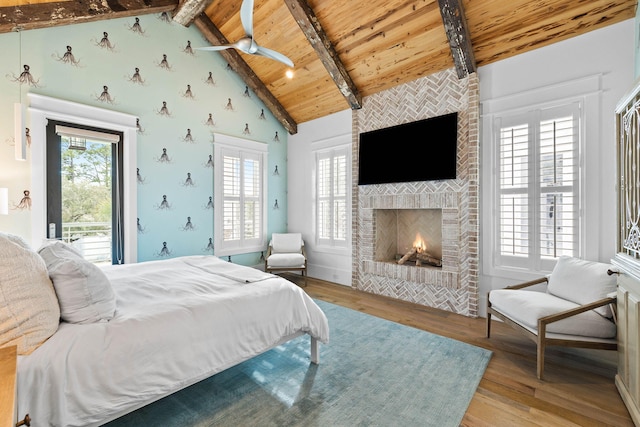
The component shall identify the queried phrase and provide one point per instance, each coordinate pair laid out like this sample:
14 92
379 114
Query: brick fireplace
453 203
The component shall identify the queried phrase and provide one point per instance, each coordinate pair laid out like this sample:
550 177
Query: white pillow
582 282
286 242
29 311
84 291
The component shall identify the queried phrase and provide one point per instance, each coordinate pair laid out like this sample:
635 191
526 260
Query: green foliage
86 183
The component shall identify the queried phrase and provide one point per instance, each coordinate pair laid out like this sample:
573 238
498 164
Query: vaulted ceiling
345 50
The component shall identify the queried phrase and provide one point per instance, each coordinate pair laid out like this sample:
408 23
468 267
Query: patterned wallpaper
145 66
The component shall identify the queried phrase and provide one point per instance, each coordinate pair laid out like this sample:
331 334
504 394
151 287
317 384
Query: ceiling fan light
289 73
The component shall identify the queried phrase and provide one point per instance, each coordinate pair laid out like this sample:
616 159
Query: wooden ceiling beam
310 26
57 13
187 11
455 25
215 37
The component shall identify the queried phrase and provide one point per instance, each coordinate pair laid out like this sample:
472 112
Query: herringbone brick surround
454 287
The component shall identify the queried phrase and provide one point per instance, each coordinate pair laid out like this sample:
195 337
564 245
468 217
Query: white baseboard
330 274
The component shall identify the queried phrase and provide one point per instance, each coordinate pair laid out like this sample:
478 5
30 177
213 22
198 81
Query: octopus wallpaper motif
146 66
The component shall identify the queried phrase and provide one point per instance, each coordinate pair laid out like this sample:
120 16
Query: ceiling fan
247 44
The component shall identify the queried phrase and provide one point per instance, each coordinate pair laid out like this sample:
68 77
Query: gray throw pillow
29 311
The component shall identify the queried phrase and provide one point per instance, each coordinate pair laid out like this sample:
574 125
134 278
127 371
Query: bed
176 321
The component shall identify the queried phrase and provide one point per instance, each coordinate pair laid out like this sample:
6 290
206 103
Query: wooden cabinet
627 258
8 360
628 377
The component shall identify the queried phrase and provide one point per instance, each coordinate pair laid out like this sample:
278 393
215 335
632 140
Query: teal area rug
373 372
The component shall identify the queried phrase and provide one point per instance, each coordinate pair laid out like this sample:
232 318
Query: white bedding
177 321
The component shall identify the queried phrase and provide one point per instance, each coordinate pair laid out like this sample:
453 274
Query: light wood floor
578 389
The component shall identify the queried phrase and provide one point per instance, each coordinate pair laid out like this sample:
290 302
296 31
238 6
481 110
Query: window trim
226 142
41 109
330 244
535 261
586 90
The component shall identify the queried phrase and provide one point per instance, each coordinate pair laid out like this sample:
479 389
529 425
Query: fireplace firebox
409 236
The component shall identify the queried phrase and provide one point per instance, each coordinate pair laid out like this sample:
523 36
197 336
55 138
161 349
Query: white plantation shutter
324 196
537 187
513 190
231 203
239 188
340 197
331 196
251 196
558 179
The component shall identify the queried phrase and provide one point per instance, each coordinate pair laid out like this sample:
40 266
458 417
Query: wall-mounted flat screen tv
424 150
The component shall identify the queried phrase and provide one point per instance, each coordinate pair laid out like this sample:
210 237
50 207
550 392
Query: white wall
333 129
608 52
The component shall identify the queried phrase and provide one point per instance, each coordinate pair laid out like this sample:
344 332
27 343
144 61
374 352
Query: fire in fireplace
419 255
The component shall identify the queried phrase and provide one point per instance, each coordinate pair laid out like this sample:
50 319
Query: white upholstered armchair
576 310
286 253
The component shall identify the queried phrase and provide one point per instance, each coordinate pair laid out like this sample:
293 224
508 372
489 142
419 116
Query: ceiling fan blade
220 47
246 44
246 16
274 55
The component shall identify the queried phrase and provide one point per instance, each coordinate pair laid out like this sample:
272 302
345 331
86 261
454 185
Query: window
332 197
239 189
537 187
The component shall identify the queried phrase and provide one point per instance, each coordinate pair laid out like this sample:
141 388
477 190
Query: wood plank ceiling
346 50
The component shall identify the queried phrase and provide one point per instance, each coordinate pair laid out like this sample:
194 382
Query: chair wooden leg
541 348
540 368
488 325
